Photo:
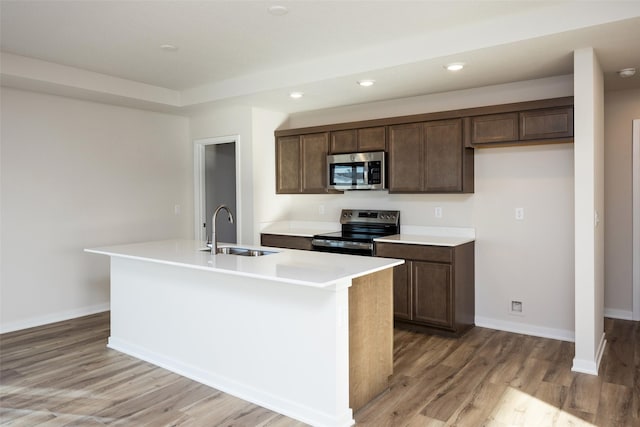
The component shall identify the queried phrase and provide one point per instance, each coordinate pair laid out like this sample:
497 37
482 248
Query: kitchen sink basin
231 250
243 251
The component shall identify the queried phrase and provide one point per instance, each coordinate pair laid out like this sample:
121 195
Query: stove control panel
353 216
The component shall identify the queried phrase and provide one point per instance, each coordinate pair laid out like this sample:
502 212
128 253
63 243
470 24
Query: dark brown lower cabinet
402 291
432 294
284 241
434 291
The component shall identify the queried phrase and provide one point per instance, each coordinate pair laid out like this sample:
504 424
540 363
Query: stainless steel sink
231 250
243 251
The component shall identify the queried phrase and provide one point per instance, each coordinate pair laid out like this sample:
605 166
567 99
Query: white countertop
308 268
434 236
411 235
418 239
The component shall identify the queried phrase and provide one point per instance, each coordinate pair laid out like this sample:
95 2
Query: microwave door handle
365 173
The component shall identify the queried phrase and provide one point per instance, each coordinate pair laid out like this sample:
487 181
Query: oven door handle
327 243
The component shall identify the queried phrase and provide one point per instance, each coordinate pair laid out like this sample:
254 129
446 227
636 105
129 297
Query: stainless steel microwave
356 171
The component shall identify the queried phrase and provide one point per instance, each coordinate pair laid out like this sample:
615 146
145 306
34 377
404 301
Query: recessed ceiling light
168 47
455 66
366 83
277 10
296 95
626 72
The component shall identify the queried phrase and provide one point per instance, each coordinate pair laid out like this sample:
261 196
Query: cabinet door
314 162
406 158
344 141
288 166
494 128
432 293
402 291
546 124
443 156
372 139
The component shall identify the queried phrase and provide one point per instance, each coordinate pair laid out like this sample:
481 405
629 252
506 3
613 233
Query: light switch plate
519 214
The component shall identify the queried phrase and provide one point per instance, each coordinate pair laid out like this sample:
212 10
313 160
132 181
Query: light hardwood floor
63 375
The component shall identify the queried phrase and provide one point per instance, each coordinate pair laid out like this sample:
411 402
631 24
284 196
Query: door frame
199 199
635 213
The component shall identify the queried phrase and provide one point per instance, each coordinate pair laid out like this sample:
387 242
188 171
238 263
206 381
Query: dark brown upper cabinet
429 157
550 123
301 163
358 140
426 153
536 122
288 165
406 158
494 128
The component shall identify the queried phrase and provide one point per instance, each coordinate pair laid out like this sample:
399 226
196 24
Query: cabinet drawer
288 242
415 252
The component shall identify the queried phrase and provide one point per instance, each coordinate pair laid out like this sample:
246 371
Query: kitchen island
306 334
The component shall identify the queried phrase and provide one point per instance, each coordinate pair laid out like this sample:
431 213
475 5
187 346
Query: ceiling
236 51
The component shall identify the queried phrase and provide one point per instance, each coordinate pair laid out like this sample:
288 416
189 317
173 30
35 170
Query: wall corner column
588 211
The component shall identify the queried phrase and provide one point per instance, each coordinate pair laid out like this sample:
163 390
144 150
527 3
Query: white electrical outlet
519 214
321 209
176 210
438 212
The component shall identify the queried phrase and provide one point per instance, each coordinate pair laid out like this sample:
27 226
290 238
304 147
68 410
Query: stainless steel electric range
359 228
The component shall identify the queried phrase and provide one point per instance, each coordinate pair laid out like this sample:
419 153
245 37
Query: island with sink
306 334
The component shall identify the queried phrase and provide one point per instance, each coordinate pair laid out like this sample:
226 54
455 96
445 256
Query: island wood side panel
370 336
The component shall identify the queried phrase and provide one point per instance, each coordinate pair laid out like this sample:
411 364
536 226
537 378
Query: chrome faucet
214 238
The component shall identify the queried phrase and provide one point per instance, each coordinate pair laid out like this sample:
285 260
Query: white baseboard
590 367
525 328
52 318
233 387
618 314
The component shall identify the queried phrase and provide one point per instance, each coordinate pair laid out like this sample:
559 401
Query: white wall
232 121
78 174
620 109
530 260
268 206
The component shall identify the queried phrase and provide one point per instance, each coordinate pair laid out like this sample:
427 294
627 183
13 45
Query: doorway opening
216 183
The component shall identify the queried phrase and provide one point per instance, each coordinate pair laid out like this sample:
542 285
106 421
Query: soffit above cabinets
237 51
